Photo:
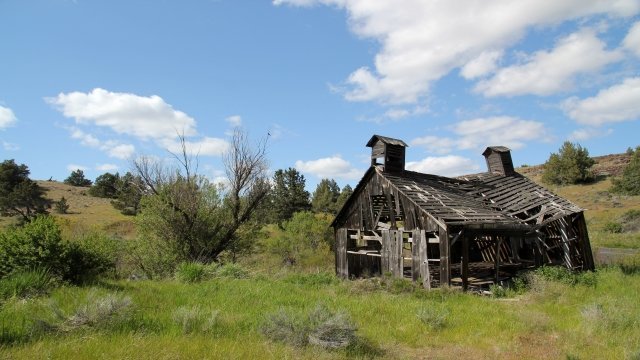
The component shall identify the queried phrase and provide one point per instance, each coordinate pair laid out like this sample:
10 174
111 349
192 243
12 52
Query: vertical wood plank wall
581 229
342 266
385 252
445 275
415 255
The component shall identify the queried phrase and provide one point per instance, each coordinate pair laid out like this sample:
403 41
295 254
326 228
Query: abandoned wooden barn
472 230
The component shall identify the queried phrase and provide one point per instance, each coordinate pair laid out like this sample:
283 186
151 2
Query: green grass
222 318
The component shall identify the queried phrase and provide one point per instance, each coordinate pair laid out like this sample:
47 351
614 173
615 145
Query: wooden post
386 251
415 255
424 261
342 265
565 240
465 262
497 258
395 253
586 245
391 206
445 275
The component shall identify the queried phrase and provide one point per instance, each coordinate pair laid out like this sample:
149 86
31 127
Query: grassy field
552 320
224 316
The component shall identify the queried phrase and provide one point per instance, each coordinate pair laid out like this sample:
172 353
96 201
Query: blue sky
93 84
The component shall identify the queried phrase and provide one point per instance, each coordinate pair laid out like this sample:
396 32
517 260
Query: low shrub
26 283
331 330
36 245
434 317
631 220
321 327
96 312
565 276
194 319
285 326
630 265
90 256
231 270
612 227
99 311
39 245
191 272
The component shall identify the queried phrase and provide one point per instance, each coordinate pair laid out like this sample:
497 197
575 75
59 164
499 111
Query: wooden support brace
465 262
445 274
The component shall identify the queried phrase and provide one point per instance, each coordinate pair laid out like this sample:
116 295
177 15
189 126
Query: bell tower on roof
388 153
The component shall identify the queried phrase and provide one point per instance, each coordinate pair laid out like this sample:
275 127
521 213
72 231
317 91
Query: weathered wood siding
342 267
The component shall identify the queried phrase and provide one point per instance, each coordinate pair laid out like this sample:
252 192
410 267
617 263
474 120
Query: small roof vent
499 160
390 152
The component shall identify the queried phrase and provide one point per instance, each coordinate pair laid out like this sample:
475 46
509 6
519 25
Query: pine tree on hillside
76 178
629 182
571 165
105 186
20 195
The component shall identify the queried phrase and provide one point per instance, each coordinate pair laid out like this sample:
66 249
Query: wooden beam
565 240
424 261
445 271
391 206
465 262
415 255
342 265
396 258
386 251
587 254
497 257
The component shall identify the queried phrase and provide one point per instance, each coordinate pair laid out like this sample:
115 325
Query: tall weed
194 319
26 283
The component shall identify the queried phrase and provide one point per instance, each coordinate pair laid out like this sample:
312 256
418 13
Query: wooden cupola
499 160
387 152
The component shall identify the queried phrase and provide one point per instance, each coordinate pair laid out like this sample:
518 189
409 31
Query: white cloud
620 102
106 167
140 116
85 139
121 151
7 117
10 146
206 146
450 165
484 64
74 167
422 41
435 144
588 133
549 72
234 120
113 148
632 40
482 132
334 167
498 130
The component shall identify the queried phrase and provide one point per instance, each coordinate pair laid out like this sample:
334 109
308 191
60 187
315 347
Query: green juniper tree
76 178
19 195
105 186
629 182
571 165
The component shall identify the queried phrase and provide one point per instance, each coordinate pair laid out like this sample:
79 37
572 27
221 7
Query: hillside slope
87 212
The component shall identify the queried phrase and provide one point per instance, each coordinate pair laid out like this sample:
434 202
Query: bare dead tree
197 227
